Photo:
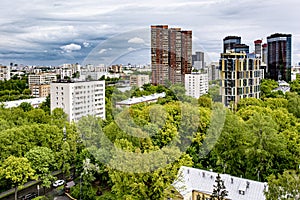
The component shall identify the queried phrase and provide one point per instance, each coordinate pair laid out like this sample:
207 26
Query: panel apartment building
171 54
79 99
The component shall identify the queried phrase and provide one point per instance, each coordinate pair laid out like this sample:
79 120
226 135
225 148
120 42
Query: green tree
286 186
42 161
17 170
219 191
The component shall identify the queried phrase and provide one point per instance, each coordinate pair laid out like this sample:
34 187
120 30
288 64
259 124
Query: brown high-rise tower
171 54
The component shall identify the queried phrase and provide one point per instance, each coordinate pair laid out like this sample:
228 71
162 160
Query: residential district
57 123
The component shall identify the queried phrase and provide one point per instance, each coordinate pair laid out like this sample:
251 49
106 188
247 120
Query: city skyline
56 32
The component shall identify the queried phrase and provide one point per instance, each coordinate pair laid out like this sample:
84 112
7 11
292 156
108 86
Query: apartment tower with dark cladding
229 43
171 54
279 57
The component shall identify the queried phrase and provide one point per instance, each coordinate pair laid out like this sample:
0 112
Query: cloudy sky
53 32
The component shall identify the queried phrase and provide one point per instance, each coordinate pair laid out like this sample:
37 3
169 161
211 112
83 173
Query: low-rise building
136 100
35 102
196 84
194 184
79 99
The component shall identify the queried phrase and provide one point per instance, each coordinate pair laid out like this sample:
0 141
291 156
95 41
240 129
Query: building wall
279 57
196 85
139 80
79 99
4 73
240 77
171 54
40 90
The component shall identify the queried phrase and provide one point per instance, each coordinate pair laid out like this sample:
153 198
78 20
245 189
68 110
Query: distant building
4 73
79 99
229 43
43 78
279 56
198 60
213 71
139 80
195 184
35 102
283 87
136 100
240 76
42 90
196 84
117 68
265 53
171 54
295 71
258 48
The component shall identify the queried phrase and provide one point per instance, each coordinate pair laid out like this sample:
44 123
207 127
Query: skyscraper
229 42
257 48
198 60
265 53
171 54
279 56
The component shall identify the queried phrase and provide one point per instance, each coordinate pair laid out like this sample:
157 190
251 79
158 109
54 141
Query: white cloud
86 44
102 51
136 40
70 47
131 49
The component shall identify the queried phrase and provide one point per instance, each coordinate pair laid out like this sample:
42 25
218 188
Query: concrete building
171 54
33 102
196 84
198 60
265 53
279 57
42 90
213 71
258 48
43 78
295 71
196 184
240 77
4 73
79 99
139 80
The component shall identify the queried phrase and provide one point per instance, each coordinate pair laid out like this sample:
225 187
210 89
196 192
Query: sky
53 32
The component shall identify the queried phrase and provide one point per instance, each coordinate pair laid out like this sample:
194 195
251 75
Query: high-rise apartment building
139 80
213 71
229 43
43 78
240 77
196 84
258 48
79 99
279 56
171 54
265 53
198 60
42 90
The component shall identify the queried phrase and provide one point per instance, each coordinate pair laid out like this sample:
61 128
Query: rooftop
192 179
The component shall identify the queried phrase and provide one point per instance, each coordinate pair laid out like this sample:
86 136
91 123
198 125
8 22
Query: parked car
28 196
58 183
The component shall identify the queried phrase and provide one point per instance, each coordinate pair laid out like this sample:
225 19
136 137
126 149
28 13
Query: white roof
35 101
136 100
191 179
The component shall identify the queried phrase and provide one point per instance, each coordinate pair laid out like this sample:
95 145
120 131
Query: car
58 183
28 196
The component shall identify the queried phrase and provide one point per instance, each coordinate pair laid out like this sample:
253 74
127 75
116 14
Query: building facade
279 57
42 90
79 99
4 73
213 71
240 77
196 84
171 54
139 80
258 48
229 43
43 78
198 60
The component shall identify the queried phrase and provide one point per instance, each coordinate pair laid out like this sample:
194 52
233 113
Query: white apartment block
79 99
4 73
196 84
295 71
38 79
139 80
